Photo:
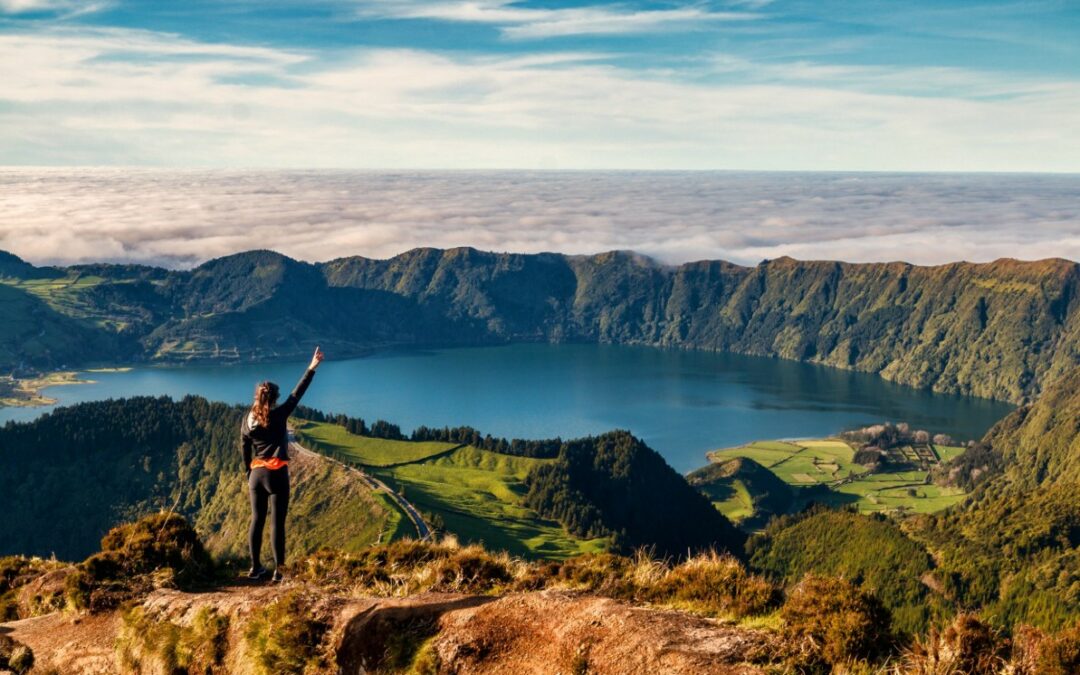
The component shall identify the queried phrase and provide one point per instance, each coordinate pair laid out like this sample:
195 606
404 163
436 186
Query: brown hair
266 394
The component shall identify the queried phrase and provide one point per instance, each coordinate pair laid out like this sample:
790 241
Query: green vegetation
15 657
709 584
476 494
869 549
824 471
1014 548
614 484
538 507
829 622
74 473
965 328
336 441
286 636
805 462
17 392
16 572
158 550
743 490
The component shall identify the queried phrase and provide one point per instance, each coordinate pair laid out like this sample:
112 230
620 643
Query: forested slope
1015 545
1002 329
1011 550
614 484
76 472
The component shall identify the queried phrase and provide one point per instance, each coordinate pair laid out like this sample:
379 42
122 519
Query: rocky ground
538 632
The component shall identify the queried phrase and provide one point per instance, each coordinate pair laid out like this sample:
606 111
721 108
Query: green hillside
824 471
743 490
871 550
476 494
578 496
1010 549
76 472
1015 545
615 485
962 327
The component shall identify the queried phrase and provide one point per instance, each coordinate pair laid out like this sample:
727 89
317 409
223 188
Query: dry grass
147 644
711 584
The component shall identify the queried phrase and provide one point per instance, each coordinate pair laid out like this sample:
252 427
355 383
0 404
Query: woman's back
270 440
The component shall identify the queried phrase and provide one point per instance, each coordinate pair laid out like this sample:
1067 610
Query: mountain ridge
1003 329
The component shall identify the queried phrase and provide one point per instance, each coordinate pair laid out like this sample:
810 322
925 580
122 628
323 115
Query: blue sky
949 85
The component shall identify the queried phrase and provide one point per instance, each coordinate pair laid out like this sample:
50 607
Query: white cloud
179 218
520 22
118 96
68 8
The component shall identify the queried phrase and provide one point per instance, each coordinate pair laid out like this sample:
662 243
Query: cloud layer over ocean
182 218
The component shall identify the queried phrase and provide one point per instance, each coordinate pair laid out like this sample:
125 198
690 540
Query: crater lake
682 403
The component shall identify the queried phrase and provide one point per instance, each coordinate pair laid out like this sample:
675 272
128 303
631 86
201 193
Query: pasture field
906 490
334 440
801 463
828 463
476 493
947 452
739 505
64 294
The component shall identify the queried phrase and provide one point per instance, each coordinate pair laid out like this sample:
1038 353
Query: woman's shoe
277 578
257 573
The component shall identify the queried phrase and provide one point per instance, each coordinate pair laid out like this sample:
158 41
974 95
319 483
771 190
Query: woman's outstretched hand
316 359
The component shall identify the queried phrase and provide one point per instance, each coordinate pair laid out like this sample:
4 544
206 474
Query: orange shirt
273 463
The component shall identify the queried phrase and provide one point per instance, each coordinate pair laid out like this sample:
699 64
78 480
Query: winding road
423 531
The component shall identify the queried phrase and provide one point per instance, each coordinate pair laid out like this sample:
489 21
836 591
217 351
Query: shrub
708 583
160 550
715 584
967 645
606 574
15 573
830 621
1060 654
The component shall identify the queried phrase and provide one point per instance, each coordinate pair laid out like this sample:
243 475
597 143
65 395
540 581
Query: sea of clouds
182 218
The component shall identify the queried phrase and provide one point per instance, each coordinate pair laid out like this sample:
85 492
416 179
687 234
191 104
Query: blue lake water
682 403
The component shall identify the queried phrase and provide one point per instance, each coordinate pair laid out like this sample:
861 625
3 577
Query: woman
265 441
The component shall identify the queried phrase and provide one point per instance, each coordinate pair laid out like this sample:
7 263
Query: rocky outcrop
541 632
548 632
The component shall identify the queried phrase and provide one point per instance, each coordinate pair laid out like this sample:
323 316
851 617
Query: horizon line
650 258
418 169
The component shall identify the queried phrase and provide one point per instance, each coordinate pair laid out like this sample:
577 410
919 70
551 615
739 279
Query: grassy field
739 505
334 440
476 493
828 463
800 463
947 452
905 490
67 295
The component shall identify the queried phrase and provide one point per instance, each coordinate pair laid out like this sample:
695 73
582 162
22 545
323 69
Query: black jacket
266 442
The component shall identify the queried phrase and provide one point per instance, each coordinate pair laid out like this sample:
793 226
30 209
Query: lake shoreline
681 402
25 392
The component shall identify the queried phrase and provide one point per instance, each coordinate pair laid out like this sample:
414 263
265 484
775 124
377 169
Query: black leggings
266 485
